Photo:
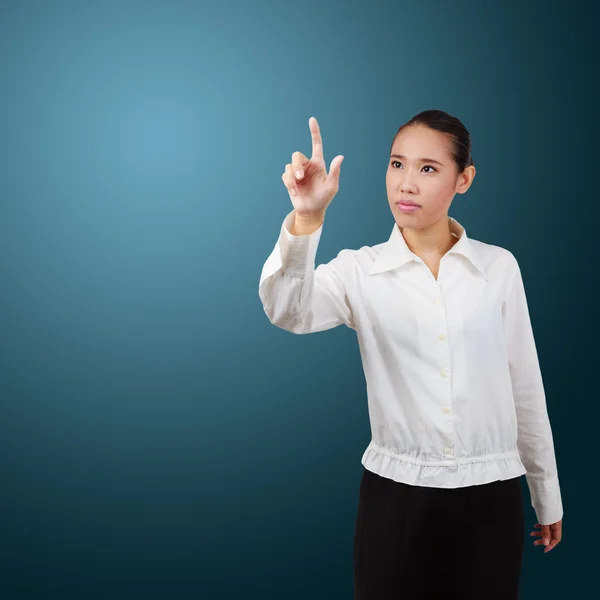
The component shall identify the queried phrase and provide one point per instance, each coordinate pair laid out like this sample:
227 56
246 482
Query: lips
407 203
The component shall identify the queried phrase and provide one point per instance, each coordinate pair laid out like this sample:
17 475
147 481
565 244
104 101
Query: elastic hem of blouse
448 473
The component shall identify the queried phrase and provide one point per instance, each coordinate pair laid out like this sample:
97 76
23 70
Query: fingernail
299 174
293 191
546 542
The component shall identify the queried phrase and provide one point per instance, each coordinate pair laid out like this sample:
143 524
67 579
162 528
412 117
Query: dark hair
452 127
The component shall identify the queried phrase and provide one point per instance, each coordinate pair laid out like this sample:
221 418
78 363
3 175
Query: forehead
415 141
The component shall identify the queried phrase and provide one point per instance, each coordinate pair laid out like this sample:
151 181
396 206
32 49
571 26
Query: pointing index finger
317 142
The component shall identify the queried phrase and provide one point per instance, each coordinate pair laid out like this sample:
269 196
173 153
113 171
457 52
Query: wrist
305 224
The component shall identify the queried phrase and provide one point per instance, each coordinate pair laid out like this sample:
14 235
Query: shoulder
499 261
358 260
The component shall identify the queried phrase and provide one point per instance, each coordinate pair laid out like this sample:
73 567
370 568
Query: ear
465 179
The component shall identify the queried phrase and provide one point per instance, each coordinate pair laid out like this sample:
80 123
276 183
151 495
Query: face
421 170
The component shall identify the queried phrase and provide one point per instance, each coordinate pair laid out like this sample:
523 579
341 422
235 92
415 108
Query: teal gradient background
159 438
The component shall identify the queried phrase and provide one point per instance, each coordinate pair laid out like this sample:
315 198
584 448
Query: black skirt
415 542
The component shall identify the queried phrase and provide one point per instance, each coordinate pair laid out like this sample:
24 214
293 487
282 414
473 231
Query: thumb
334 171
545 534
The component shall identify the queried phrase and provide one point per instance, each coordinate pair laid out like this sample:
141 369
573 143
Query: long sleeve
534 439
296 296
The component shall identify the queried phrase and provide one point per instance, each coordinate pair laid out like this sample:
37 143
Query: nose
405 181
407 186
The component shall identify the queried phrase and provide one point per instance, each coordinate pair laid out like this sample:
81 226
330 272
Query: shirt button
442 336
437 300
447 450
446 410
442 373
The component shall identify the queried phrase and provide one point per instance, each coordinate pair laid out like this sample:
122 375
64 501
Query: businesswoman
455 394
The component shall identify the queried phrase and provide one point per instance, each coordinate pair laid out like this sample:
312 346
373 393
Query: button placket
445 372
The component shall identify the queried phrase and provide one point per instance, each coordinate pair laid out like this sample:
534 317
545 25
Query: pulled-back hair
454 130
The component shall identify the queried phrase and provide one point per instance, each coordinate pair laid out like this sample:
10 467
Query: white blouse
454 387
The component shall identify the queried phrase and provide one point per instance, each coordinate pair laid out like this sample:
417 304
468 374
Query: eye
424 166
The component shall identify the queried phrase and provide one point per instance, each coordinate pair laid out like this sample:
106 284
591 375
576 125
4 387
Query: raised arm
298 297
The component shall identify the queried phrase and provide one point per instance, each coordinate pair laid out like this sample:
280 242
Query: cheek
389 182
442 187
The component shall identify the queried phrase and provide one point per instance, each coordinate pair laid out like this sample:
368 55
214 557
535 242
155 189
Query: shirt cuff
545 498
298 252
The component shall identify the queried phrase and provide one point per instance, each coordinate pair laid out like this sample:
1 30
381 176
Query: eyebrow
431 160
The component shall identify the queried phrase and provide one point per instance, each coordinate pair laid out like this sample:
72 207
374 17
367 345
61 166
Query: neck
434 240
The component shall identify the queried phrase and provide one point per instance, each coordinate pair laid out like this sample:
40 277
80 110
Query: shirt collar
395 251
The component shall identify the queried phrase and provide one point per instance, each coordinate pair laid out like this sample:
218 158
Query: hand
312 190
550 535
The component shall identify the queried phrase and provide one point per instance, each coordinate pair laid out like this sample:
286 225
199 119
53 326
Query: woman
455 393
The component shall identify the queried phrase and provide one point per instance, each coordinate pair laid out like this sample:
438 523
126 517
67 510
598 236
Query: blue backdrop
159 438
